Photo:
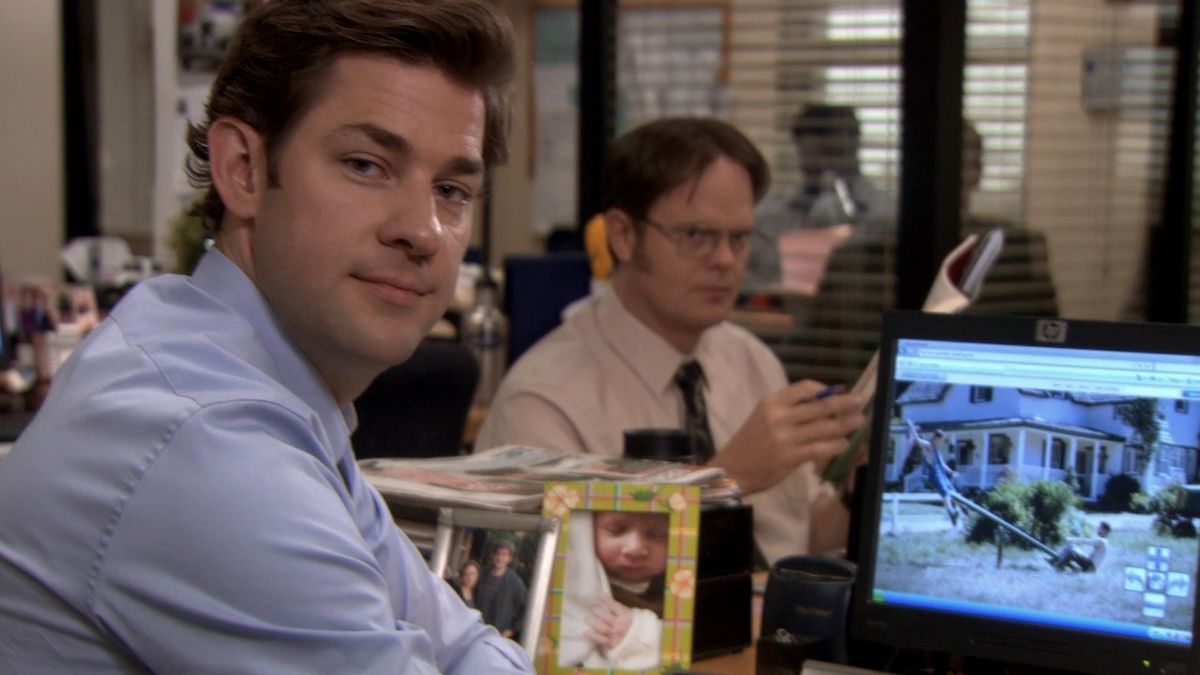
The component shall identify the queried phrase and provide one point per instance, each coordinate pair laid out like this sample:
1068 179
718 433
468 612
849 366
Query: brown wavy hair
657 157
282 53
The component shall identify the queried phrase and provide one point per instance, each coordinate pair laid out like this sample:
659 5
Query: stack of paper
512 477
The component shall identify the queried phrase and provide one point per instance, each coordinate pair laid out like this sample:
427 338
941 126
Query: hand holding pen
804 422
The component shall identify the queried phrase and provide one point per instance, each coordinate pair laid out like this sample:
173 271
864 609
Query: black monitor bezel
926 630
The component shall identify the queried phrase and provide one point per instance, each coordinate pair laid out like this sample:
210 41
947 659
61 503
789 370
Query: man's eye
364 167
454 193
695 233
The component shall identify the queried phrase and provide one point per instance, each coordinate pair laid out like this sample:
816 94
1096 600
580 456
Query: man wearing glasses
655 349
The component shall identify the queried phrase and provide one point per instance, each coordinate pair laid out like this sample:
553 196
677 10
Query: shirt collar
653 359
218 276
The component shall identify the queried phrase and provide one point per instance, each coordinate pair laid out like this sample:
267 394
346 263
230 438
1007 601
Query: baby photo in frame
623 588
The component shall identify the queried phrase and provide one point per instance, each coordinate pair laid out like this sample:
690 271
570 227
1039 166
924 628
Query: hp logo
1049 330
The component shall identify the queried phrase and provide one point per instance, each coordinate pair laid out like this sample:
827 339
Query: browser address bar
1077 361
1042 370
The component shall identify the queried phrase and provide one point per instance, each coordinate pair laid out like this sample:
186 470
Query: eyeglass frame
709 242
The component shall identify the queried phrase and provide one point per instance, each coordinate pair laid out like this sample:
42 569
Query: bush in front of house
1041 509
1120 493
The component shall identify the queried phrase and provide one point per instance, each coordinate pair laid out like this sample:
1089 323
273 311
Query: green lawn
915 562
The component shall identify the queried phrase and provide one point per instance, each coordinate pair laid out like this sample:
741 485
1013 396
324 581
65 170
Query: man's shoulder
200 347
140 384
776 213
776 203
568 351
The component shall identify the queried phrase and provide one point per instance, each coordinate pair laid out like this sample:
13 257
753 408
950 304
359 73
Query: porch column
1072 453
1046 451
1021 438
985 471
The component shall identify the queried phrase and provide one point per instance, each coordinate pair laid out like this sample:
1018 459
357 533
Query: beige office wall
126 125
31 144
511 199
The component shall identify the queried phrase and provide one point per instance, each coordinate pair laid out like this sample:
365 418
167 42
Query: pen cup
672 445
808 596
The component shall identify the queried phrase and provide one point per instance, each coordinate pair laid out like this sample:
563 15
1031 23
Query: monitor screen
1030 492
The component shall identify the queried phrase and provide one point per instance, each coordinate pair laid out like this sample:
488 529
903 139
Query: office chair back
418 408
536 290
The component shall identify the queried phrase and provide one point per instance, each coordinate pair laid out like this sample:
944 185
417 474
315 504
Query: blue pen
825 393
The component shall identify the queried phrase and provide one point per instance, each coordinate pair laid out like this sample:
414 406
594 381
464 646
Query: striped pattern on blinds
1069 97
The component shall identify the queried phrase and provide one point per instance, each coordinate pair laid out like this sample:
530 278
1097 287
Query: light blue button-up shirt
186 502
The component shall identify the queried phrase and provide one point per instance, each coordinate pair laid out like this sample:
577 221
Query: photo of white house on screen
1044 486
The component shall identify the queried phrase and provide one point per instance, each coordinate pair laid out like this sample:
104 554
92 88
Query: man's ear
622 234
238 162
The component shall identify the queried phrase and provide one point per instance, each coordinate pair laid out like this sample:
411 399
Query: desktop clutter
41 322
725 555
804 613
41 325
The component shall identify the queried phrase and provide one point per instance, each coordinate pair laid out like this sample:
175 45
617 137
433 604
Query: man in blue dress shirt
187 500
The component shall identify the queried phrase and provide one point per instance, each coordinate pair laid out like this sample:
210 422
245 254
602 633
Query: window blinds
1070 99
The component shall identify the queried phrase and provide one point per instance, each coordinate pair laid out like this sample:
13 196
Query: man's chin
712 315
400 347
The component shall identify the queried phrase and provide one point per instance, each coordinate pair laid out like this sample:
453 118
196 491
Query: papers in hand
961 274
513 477
984 252
957 284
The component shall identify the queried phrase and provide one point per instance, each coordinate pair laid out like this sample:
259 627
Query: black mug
808 596
671 445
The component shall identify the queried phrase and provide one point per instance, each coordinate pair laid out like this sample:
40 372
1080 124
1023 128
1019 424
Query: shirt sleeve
529 418
237 550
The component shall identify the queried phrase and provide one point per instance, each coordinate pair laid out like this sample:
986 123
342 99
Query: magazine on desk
513 477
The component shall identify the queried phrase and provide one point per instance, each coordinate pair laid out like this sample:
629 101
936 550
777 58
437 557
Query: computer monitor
1031 415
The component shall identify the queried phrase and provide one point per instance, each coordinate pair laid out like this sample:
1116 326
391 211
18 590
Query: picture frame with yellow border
623 583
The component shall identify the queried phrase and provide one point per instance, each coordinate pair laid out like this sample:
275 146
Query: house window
966 452
1132 464
1058 454
999 446
981 394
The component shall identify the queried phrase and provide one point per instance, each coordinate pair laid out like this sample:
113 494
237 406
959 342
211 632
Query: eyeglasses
700 242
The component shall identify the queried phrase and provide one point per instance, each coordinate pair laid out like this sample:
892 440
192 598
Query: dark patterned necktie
690 378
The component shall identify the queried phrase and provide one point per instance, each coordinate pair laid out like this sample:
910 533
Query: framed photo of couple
623 586
499 563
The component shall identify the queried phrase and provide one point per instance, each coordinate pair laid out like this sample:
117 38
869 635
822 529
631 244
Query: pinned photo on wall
623 589
206 29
